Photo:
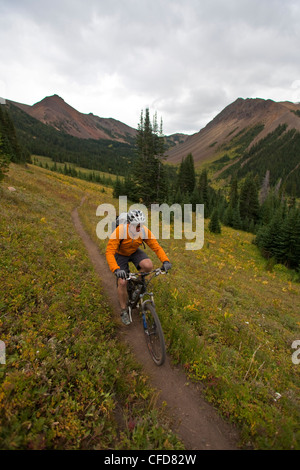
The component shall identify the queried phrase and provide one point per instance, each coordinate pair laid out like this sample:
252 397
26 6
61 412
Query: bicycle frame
140 280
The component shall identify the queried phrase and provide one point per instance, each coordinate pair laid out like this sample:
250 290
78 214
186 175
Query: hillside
53 110
68 380
276 156
54 129
240 115
38 138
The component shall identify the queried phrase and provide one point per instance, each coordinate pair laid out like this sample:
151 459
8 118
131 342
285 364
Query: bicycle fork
143 304
142 307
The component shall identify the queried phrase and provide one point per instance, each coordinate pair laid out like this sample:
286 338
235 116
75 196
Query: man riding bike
123 247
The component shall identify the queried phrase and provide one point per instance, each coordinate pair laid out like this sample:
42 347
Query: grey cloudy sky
185 59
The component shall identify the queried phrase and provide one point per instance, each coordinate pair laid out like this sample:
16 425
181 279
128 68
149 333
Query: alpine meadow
229 311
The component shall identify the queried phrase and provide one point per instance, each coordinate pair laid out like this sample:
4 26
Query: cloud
186 60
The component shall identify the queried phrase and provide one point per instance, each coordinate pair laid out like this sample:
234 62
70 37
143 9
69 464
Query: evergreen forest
10 148
278 153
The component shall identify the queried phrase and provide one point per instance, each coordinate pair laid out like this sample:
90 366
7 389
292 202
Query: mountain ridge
54 111
223 144
237 116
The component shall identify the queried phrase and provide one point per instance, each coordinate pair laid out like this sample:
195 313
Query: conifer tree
234 195
236 221
10 144
214 224
280 239
203 192
269 236
268 207
178 196
4 161
195 198
290 239
249 204
149 178
186 175
232 216
228 216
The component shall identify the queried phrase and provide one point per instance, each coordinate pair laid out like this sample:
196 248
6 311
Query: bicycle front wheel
154 334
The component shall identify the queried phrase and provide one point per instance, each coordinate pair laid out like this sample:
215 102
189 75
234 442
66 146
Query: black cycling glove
166 266
120 273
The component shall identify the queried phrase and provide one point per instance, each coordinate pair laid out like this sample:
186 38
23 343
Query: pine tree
228 216
268 207
4 161
214 224
186 175
10 144
203 192
178 196
295 251
126 185
195 198
232 216
162 187
236 221
149 178
290 246
269 237
234 195
249 204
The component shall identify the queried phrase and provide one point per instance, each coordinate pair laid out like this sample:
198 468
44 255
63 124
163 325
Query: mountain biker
123 247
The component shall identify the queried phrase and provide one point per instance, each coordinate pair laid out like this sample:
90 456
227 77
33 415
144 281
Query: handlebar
156 272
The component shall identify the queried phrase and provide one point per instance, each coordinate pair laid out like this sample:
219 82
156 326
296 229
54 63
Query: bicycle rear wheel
154 334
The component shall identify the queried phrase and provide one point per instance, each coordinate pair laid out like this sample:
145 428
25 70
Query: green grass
68 382
237 324
43 161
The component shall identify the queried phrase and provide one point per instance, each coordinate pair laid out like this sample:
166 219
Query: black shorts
135 258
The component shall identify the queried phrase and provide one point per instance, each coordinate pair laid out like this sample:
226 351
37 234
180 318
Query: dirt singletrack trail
194 420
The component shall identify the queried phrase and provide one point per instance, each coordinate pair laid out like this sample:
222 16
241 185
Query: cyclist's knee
146 265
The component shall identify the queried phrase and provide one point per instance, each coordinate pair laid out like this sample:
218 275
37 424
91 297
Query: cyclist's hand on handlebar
120 273
166 266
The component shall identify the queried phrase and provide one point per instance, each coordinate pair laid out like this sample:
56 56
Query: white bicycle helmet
136 217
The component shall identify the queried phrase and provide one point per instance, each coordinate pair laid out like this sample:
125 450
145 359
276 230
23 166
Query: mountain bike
141 299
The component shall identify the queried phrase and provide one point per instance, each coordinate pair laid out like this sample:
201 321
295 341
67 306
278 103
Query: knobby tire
154 334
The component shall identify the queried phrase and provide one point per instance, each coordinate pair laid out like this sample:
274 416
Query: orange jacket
123 244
